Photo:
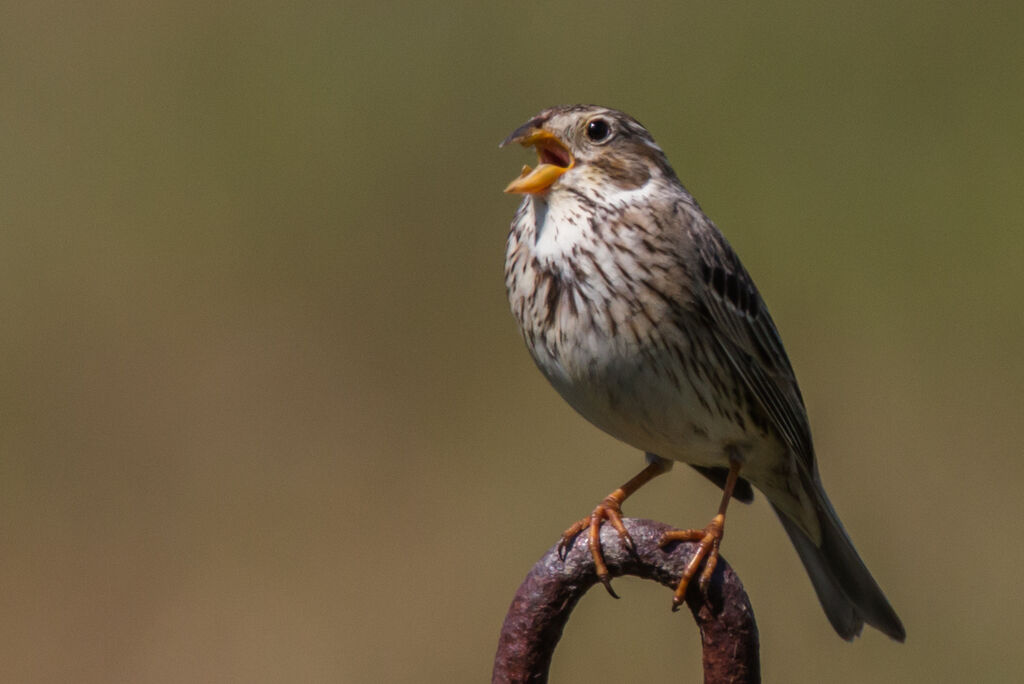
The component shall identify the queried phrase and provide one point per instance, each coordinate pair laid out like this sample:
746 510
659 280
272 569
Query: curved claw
569 536
607 582
607 510
709 539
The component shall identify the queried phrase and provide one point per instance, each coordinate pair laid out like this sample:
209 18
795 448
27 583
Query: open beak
553 156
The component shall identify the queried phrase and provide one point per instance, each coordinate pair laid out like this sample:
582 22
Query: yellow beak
554 157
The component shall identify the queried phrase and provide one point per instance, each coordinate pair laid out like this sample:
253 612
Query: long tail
845 587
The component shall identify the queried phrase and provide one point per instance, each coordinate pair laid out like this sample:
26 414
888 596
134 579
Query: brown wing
746 333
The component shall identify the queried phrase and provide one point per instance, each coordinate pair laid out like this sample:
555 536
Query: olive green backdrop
265 417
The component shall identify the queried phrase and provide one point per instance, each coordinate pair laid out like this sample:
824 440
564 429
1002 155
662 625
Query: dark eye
598 130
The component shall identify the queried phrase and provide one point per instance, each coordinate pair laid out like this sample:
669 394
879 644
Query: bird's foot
708 540
608 510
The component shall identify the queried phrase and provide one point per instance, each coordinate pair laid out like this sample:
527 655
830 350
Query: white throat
563 218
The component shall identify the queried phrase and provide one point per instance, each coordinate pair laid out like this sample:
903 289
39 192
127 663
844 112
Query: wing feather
745 332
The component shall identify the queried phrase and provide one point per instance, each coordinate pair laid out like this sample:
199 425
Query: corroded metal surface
546 598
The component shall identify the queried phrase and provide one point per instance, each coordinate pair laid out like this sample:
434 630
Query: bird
639 313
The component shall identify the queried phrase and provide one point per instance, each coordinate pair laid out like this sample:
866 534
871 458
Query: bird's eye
598 130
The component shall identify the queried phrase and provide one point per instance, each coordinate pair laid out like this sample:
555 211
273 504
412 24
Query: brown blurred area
264 415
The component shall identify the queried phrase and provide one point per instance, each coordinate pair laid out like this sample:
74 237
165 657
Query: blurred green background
266 417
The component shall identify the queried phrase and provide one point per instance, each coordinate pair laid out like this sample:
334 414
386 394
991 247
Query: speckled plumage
642 317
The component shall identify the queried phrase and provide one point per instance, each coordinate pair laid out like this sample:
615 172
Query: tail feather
845 587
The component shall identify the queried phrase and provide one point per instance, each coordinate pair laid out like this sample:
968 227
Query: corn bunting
638 311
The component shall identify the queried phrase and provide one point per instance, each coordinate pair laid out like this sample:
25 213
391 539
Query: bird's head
587 144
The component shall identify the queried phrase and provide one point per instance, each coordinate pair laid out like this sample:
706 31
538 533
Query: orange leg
709 540
610 509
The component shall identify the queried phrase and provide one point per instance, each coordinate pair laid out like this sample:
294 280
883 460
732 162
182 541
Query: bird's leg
610 509
709 540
